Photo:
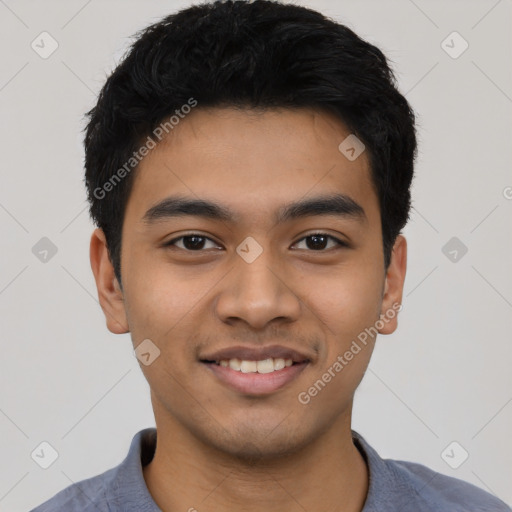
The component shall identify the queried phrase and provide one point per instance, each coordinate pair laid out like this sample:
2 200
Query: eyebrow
339 205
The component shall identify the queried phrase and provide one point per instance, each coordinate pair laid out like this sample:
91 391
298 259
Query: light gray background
443 376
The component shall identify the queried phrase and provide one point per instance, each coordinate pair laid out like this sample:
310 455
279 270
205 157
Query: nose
258 293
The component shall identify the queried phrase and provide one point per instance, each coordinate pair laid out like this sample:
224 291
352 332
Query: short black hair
247 54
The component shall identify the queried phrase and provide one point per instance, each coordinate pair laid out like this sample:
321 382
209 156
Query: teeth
248 366
279 364
265 366
234 364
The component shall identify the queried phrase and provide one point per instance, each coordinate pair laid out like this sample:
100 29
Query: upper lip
257 354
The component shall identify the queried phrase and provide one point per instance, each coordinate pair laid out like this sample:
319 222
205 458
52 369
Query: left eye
320 241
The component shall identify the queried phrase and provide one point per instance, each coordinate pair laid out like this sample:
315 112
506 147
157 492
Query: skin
218 449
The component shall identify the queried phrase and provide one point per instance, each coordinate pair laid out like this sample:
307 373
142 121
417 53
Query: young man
248 165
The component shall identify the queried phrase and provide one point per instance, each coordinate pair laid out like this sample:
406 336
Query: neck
328 474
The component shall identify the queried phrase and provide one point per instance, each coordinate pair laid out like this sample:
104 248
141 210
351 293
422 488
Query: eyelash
172 243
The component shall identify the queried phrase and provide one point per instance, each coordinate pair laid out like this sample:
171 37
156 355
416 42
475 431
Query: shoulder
119 489
402 486
85 496
441 492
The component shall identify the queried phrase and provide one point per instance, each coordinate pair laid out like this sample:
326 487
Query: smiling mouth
255 377
263 366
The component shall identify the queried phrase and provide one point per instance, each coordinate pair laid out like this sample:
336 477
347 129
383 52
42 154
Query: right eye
193 243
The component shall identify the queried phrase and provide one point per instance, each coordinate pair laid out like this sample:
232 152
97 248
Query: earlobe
393 287
110 294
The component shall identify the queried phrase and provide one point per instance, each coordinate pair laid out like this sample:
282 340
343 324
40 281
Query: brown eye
191 243
320 242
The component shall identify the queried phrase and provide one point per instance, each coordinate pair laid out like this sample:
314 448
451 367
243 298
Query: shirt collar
128 484
382 479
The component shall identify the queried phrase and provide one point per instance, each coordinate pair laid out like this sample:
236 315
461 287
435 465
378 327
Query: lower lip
256 383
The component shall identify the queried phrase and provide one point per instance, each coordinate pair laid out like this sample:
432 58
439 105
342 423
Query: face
285 262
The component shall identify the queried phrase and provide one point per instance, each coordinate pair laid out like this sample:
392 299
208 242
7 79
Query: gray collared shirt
394 486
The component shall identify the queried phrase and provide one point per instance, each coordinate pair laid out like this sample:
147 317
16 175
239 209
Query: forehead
252 161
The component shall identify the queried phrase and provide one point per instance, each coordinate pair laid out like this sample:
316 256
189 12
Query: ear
393 286
110 294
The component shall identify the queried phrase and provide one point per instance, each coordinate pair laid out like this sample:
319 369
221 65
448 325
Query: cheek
160 307
157 298
348 300
346 306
